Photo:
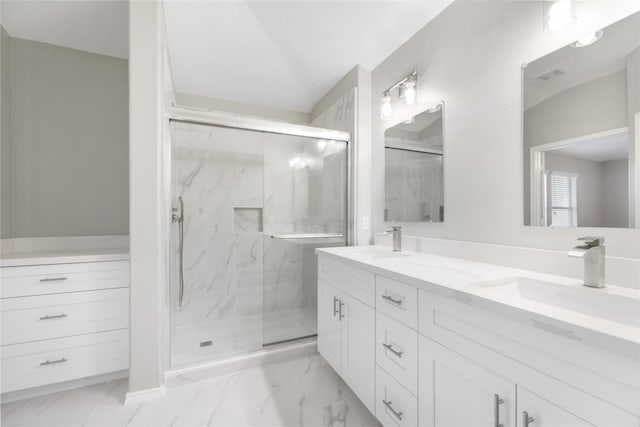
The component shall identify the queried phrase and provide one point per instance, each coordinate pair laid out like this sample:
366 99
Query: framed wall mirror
581 116
414 188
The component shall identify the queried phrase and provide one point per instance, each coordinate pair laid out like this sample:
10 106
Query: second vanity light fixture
560 16
407 89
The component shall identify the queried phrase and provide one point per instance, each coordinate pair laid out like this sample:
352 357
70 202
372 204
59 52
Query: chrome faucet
593 253
397 237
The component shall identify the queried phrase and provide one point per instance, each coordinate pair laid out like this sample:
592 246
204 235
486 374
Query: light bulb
386 109
588 39
560 15
409 92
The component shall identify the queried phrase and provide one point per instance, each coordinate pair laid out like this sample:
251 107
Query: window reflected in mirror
581 110
414 189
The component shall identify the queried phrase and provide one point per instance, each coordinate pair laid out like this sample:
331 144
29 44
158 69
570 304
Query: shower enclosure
250 207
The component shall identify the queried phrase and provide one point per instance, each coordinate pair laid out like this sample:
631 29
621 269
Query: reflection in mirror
581 109
413 169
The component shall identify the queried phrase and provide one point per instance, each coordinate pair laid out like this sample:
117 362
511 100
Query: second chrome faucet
397 237
592 251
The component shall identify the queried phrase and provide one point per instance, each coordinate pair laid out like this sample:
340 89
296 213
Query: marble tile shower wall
238 190
217 170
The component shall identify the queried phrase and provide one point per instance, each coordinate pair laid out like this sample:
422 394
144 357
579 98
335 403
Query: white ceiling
93 26
582 64
599 150
283 54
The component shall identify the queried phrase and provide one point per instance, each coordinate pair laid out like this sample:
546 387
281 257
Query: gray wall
5 137
615 194
633 108
470 56
69 143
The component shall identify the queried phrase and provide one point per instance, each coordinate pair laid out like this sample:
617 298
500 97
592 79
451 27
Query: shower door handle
178 217
335 310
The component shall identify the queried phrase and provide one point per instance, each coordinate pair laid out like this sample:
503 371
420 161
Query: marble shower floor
240 335
303 391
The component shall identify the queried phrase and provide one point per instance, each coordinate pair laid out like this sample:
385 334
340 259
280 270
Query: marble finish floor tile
303 391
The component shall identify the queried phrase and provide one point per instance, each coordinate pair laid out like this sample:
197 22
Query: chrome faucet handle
394 228
592 241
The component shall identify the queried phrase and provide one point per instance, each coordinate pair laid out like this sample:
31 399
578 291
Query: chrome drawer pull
497 401
392 350
392 300
53 279
57 316
526 419
53 362
398 414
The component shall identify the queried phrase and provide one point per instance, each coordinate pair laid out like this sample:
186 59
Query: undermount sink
378 252
593 302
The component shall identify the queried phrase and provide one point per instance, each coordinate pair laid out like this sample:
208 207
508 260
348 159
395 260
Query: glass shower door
305 207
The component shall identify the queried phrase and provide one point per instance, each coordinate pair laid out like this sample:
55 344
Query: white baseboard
144 395
12 396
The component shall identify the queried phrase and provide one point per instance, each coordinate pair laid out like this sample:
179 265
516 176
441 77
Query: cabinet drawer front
398 301
46 362
59 315
397 351
395 406
51 279
358 283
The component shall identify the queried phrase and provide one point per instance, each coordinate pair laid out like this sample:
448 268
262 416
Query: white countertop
455 277
62 256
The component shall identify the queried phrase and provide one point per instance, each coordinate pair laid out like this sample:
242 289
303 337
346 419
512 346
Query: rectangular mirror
414 190
581 110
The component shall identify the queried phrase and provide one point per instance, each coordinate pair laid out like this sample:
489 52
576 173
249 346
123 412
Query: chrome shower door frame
235 121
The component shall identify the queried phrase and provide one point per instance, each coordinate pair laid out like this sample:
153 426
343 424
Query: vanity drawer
398 301
58 278
45 362
59 315
358 283
397 351
395 406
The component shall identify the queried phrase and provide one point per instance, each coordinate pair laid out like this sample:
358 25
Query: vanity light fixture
561 15
435 108
407 89
386 109
588 39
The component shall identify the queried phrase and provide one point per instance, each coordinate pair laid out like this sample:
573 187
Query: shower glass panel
254 207
305 207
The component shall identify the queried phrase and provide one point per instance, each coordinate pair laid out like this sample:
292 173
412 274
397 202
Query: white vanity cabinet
444 358
455 391
62 322
346 326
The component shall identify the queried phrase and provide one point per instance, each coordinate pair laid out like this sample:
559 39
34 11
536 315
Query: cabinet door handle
497 401
53 362
340 310
335 310
53 279
526 419
397 414
57 316
392 350
392 300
